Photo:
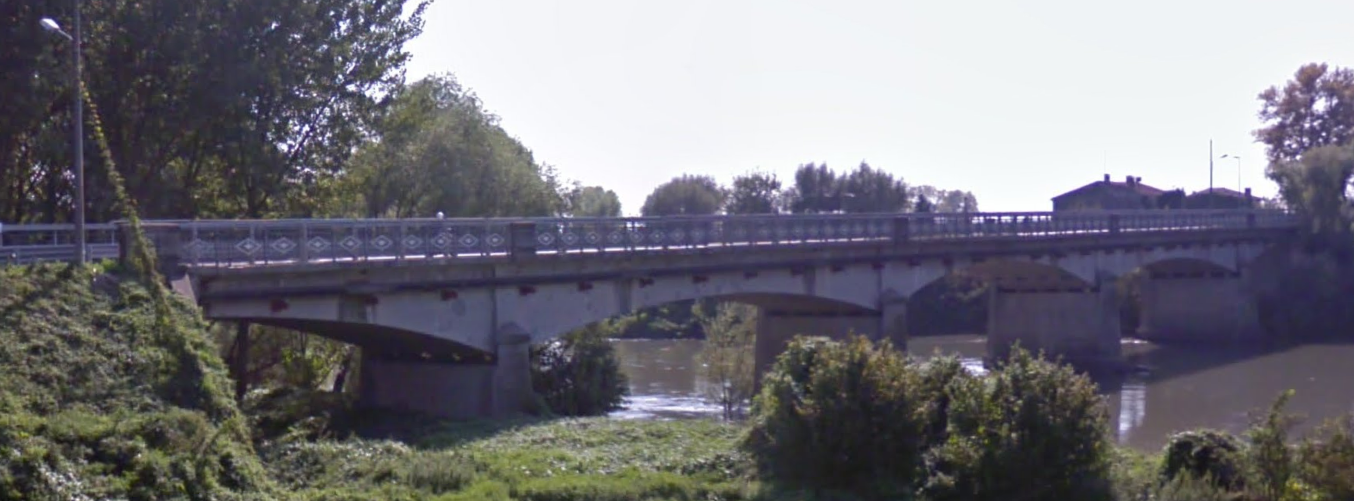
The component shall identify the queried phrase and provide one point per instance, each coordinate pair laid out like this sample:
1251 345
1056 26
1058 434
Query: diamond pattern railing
251 242
220 243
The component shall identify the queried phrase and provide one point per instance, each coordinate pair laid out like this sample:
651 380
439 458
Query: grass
590 458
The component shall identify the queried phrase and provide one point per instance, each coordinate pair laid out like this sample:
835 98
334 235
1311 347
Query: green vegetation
727 359
578 374
96 400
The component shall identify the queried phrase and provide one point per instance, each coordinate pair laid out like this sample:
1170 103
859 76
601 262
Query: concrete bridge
445 310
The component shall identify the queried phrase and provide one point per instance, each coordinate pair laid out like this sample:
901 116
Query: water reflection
665 382
1178 387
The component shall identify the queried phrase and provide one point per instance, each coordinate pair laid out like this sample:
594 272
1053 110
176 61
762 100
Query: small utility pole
1210 173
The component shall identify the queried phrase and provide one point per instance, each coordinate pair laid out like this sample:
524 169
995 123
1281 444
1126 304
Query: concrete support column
512 391
775 329
1199 308
893 322
239 362
1080 326
453 390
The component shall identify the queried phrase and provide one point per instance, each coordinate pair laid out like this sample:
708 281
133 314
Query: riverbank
104 397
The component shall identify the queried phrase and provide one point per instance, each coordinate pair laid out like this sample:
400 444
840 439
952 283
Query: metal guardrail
251 242
36 243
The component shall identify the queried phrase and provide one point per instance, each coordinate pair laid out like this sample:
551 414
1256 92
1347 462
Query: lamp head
49 24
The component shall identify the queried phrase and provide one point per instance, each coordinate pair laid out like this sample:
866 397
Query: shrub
1205 453
726 358
937 378
1029 430
840 416
579 374
1327 462
1269 457
1192 488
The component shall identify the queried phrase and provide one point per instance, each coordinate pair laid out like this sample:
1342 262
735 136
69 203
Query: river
1179 388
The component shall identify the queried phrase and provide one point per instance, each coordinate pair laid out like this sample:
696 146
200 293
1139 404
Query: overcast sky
1014 101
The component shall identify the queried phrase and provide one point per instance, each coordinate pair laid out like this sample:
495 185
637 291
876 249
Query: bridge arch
551 310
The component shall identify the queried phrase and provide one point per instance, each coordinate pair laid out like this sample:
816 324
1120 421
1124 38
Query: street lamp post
78 119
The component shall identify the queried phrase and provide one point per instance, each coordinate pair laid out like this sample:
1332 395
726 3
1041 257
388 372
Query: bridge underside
386 342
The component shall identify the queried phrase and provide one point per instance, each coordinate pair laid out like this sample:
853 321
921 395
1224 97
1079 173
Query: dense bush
1031 429
579 374
840 416
1217 455
865 419
1326 462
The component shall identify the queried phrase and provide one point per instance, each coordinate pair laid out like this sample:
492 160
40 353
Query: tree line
815 189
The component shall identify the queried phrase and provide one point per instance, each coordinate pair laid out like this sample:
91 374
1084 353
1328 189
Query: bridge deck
288 243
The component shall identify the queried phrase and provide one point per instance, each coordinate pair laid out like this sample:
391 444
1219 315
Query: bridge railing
232 243
35 243
245 242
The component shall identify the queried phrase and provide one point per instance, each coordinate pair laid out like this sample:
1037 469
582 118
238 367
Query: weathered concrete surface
1079 326
455 390
1206 308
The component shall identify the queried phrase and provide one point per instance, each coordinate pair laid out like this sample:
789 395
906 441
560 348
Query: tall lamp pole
78 119
1210 173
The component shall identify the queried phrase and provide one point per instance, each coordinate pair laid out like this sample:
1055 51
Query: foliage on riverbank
97 401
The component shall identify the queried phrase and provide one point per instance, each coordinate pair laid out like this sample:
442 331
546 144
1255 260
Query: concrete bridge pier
1079 325
497 387
775 329
1217 306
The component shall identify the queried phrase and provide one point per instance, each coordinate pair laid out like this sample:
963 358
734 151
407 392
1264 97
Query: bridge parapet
253 242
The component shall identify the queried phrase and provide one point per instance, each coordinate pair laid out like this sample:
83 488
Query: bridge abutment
1204 307
1081 326
452 390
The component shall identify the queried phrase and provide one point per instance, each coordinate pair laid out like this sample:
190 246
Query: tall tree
438 150
816 191
592 201
957 201
686 195
924 204
867 189
1315 186
1315 108
755 193
212 107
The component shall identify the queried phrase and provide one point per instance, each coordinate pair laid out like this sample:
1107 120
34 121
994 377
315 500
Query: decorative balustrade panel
246 242
243 243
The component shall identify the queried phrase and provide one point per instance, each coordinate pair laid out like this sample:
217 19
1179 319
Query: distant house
1110 195
1220 198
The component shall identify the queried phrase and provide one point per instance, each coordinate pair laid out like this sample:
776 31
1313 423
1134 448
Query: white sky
1016 103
